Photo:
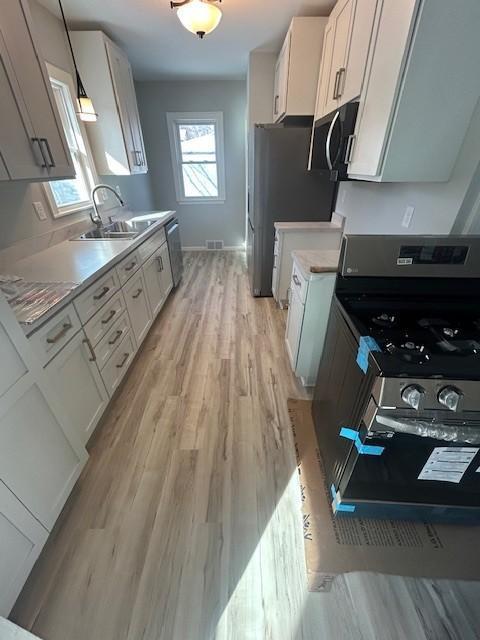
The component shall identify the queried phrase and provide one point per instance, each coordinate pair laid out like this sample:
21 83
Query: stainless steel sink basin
121 230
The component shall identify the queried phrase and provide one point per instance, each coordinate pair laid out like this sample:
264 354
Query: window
196 144
73 195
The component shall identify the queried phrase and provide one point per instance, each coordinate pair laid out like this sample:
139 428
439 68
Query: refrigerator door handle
329 140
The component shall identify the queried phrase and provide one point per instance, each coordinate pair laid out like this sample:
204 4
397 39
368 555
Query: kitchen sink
121 230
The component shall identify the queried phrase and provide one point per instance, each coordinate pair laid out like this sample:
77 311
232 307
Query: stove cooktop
423 340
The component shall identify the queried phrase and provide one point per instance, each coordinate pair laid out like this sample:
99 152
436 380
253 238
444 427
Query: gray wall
199 222
18 221
379 208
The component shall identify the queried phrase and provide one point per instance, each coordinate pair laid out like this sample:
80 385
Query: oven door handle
428 429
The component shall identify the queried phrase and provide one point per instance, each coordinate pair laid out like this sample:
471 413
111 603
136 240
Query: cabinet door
76 379
325 70
21 540
343 21
166 272
152 270
141 160
31 76
294 326
138 306
281 79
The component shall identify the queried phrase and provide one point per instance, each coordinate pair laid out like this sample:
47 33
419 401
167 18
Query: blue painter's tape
337 504
366 449
365 346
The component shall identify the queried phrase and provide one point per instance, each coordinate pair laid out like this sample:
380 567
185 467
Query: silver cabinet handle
63 331
125 358
137 293
349 148
160 263
341 75
109 317
43 163
103 293
118 333
335 84
90 348
138 158
46 144
131 266
275 107
329 139
296 280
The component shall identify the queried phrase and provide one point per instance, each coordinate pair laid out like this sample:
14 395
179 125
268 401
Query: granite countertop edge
128 247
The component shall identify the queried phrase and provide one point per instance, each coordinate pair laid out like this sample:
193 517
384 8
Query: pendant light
85 112
198 16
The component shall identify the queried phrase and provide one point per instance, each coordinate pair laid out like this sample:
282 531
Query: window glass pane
197 142
200 180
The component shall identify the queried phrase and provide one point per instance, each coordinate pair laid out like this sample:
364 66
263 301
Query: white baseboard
240 247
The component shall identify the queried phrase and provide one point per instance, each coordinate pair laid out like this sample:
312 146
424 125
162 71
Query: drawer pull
92 357
137 293
118 333
63 331
99 296
109 317
131 266
125 358
296 280
160 263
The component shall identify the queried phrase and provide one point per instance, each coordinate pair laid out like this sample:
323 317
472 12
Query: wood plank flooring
185 524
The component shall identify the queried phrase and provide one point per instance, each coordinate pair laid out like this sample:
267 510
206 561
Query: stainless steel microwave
332 142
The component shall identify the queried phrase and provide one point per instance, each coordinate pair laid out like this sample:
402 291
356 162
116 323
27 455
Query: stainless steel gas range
397 401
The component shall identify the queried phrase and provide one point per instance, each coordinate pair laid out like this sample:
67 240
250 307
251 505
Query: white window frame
64 79
210 117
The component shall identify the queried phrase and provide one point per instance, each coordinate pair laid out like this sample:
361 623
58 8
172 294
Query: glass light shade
86 111
199 17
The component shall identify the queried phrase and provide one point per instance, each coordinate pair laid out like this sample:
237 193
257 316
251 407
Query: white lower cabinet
294 326
138 307
21 540
158 278
118 364
75 376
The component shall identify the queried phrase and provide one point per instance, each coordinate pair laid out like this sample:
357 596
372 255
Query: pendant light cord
68 38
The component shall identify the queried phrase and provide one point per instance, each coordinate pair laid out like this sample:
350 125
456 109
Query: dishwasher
175 250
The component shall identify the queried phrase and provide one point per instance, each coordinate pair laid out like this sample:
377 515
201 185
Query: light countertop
316 261
10 631
80 261
305 226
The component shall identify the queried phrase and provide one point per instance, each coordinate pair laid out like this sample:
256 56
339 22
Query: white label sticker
403 261
448 464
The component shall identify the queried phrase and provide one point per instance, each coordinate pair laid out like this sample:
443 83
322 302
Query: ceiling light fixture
198 16
85 112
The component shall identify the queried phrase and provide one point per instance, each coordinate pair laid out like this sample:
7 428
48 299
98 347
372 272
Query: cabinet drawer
135 293
118 364
111 341
93 299
155 241
128 266
55 334
299 284
102 321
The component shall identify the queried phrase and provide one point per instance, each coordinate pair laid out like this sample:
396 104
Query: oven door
332 142
404 458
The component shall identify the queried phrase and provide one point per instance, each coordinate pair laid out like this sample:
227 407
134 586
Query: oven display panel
432 254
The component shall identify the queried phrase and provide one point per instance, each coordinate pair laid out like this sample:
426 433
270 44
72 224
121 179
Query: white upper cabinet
420 90
297 67
32 142
345 49
116 138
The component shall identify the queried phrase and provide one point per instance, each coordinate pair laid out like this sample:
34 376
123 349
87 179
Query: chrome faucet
97 218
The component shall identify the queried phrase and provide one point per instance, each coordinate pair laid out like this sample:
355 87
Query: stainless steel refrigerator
281 190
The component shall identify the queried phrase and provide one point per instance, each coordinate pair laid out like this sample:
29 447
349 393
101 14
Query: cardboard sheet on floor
345 544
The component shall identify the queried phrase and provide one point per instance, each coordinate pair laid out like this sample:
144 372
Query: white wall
379 208
198 222
19 224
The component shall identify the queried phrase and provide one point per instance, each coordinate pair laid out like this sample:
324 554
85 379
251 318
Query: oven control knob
412 395
450 397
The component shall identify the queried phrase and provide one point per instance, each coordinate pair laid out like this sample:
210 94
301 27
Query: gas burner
409 351
450 332
385 320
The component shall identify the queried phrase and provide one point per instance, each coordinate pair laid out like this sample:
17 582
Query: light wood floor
185 524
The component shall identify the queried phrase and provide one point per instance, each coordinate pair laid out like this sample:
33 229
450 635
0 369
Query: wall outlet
407 216
40 210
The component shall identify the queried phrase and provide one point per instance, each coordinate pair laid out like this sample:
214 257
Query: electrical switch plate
407 216
40 210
